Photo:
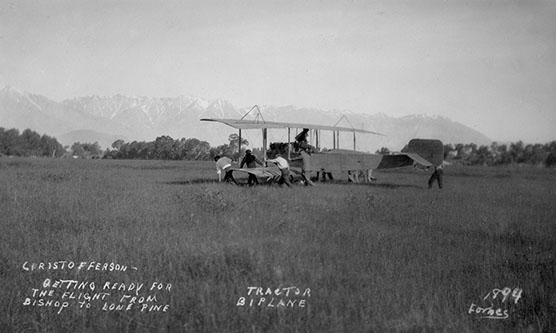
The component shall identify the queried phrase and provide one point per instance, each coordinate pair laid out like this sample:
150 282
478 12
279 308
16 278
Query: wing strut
337 133
264 143
239 146
258 116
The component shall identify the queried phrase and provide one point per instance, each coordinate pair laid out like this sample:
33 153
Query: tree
535 154
202 151
447 150
460 151
86 150
482 156
118 144
146 150
516 152
164 148
550 149
194 149
78 150
134 149
12 142
3 142
31 141
189 148
50 146
234 139
501 154
93 148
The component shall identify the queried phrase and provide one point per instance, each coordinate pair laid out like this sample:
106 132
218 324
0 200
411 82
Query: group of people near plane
224 165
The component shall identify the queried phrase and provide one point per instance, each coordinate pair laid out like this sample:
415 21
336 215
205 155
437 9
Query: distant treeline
498 154
502 154
28 143
166 148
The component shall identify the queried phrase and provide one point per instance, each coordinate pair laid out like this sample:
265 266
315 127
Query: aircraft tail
430 150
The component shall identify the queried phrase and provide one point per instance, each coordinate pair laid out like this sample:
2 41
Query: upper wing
254 124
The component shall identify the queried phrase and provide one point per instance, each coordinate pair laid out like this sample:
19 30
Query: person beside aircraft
325 174
251 161
224 164
354 176
305 157
370 177
302 136
437 176
302 142
284 167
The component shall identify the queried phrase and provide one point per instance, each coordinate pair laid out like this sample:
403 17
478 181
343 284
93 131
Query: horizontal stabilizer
417 158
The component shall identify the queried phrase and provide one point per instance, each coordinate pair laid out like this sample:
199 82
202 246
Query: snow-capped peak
9 90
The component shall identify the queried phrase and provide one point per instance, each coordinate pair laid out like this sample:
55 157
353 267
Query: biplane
418 152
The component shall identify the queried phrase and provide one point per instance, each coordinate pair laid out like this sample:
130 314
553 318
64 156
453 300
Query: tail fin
431 150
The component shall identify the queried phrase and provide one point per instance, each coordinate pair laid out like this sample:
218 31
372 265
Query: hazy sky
488 64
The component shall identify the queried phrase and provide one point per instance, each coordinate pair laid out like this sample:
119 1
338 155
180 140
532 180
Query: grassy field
391 256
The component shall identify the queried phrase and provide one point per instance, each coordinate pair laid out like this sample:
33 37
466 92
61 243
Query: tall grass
387 256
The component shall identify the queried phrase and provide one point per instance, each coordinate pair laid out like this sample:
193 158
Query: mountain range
106 119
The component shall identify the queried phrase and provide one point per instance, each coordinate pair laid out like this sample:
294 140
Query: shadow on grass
389 185
192 181
380 185
209 181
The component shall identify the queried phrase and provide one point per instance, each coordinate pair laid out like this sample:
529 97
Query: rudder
431 150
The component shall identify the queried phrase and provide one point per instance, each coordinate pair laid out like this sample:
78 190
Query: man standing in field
251 161
224 164
437 176
284 167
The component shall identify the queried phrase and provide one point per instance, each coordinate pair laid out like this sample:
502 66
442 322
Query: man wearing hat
251 161
284 167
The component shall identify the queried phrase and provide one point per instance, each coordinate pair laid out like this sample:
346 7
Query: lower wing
261 172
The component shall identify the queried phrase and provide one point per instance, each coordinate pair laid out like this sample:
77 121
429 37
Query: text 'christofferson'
71 265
